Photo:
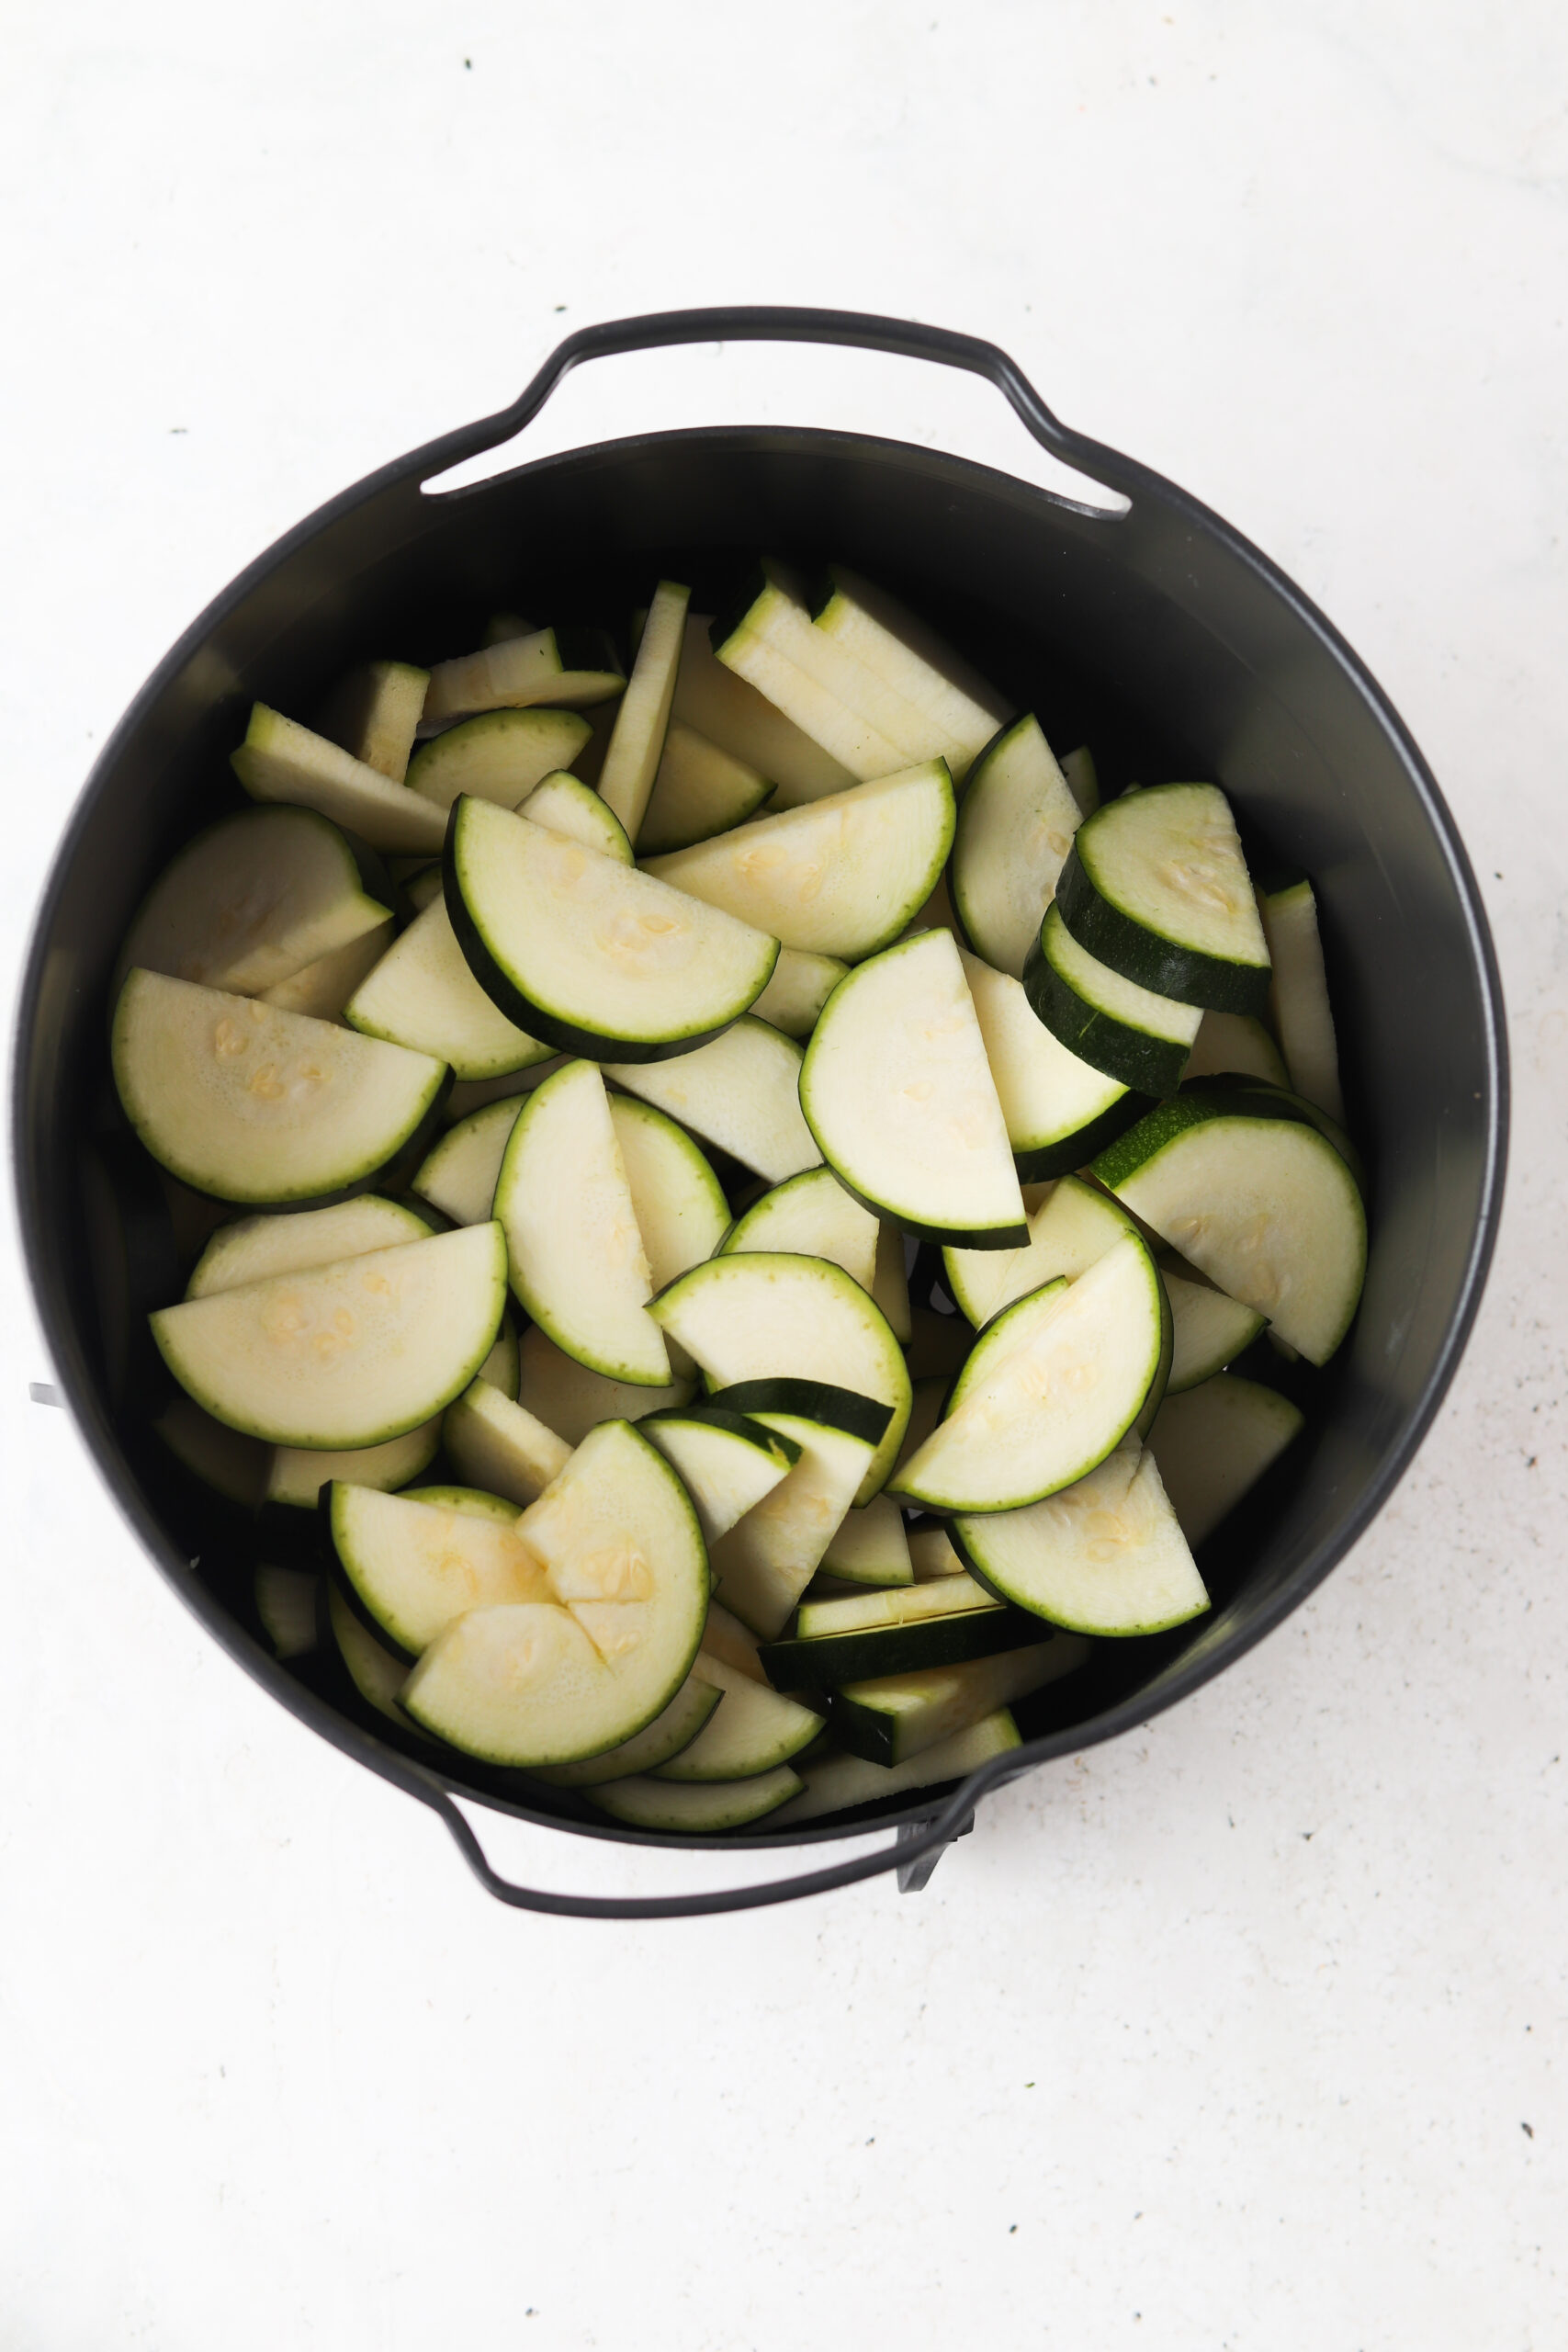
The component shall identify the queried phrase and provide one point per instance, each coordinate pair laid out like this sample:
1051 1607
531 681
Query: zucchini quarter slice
1157 887
1106 1556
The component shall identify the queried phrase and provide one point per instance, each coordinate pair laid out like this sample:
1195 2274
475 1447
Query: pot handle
762 323
913 1843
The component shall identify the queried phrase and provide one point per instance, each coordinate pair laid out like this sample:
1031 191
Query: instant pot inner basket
1150 635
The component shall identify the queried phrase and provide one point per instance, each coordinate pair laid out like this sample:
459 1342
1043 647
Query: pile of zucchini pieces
555 1073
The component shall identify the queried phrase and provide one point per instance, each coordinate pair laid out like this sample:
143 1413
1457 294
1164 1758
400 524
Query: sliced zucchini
1059 1111
841 1782
932 1554
962 711
699 791
1208 1329
502 755
287 1602
254 1104
1073 1226
1109 1022
423 995
899 1094
841 876
833 697
680 1207
766 1560
741 722
348 1354
324 987
740 1091
563 804
1236 1042
1157 888
577 1399
411 1567
576 1256
421 888
471 1094
253 1247
1083 782
870 1546
1302 1013
1213 1443
501 1368
504 625
646 1804
725 1461
897 1717
890 1284
1263 1101
298 1473
946 1623
235 1467
458 1176
596 957
725 1637
810 1215
518 672
373 714
1264 1205
1013 835
1104 1557
280 759
469 1503
501 1447
754 1731
642 716
666 1736
548 1682
759 1316
1050 1389
377 1672
252 901
800 987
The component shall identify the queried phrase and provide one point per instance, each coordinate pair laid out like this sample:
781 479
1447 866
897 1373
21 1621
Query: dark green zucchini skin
1067 1154
823 1663
808 1400
1149 1066
1163 965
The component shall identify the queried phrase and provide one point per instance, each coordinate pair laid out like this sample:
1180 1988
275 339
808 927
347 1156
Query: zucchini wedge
296 1474
289 1605
896 1717
1072 1226
1260 1202
410 1567
1111 1023
347 1354
375 1672
642 715
725 1461
869 1547
1105 1556
324 987
502 755
841 876
896 1089
1059 1111
251 902
1050 1387
947 1622
961 712
810 1216
373 714
1236 1043
740 1091
500 1445
1015 829
458 1176
680 1207
590 954
698 792
563 804
835 699
666 1736
577 1400
758 1316
755 1731
423 995
647 1804
1208 1329
1082 780
839 1783
234 1466
766 1560
254 1248
730 713
932 1554
249 1103
519 672
1157 888
280 759
800 987
1302 1013
576 1256
1213 1443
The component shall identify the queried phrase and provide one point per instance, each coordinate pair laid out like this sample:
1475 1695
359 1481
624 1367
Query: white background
1244 2035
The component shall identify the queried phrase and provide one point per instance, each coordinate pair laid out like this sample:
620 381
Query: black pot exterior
1156 635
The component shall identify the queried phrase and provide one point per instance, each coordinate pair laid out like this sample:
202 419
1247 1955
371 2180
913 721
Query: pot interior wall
1150 639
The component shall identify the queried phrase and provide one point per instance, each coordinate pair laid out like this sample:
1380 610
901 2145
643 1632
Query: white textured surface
1223 2040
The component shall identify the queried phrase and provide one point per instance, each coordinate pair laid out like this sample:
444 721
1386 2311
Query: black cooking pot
1157 635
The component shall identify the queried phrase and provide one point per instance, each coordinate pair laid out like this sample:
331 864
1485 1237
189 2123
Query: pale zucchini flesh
642 716
677 1200
740 1091
1110 1021
726 1461
459 1175
377 1672
800 987
1302 1013
896 1089
1236 1042
1014 832
324 987
869 1546
733 715
766 1560
1208 1329
644 1803
828 695
1157 887
503 755
896 1717
1214 1443
1071 1228
840 876
699 791
500 1445
250 1103
298 1473
423 995
666 1736
565 805
576 1256
1059 1111
280 759
253 1247
912 661
515 673
413 1567
810 1215
1106 1556
1082 778
839 1783
287 1603
594 955
374 713
754 1731
573 1400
